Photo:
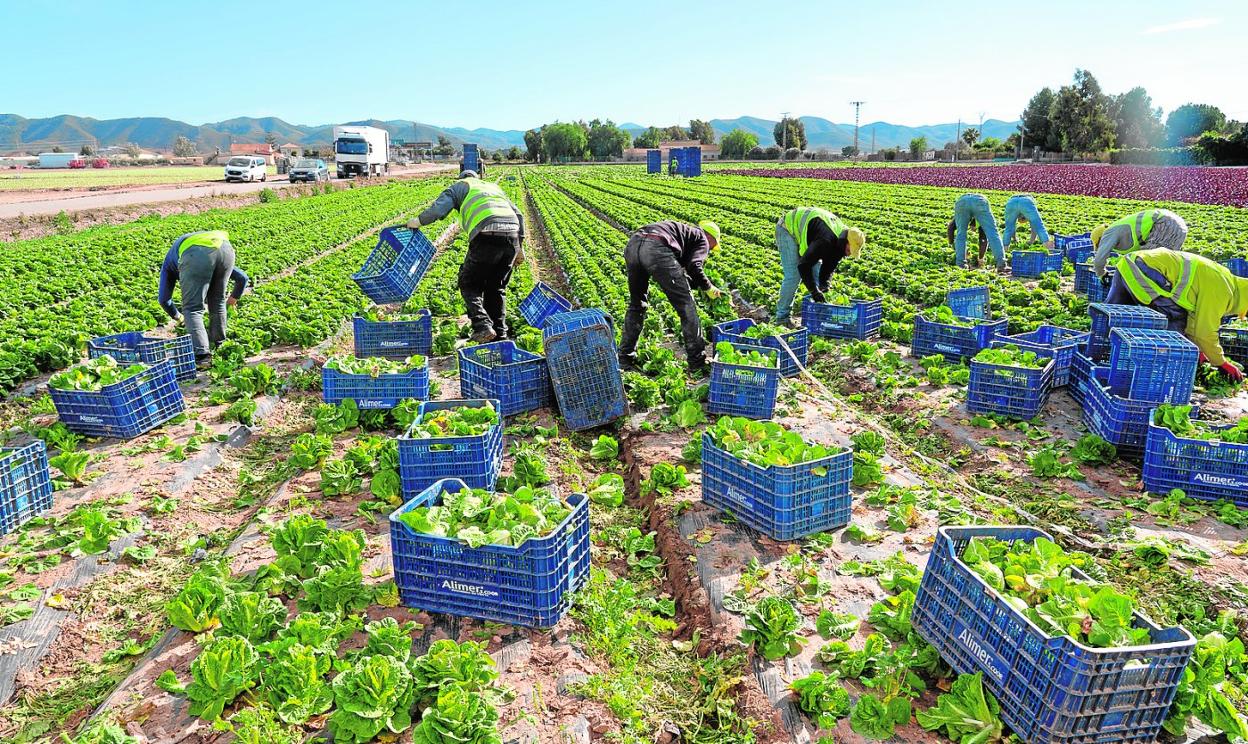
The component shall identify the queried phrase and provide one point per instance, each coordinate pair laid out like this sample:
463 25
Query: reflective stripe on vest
208 239
484 200
797 220
1146 290
1140 224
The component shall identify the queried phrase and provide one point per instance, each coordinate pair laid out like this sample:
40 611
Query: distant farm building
709 152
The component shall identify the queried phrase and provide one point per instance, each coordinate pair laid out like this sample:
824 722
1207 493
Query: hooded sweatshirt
1215 294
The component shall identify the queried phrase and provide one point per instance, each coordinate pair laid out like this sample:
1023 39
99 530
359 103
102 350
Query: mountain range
19 133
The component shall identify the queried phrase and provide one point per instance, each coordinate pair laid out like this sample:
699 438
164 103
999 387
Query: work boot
628 362
203 361
789 322
483 336
698 366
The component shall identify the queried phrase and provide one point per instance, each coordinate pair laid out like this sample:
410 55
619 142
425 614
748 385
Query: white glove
414 223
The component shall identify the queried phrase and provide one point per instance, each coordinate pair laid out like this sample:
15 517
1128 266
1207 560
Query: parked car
245 168
78 163
308 169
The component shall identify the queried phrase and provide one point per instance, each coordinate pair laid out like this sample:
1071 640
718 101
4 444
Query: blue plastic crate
792 346
135 347
1238 266
782 502
1106 317
1121 421
474 460
1051 689
954 342
1034 264
584 368
1062 242
1020 392
861 319
742 390
124 409
1234 344
518 379
393 339
1204 469
1051 342
654 161
971 302
1077 250
1082 372
1152 365
530 585
396 265
1088 284
381 392
542 303
25 485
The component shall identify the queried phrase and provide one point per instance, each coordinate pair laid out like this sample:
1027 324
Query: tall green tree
796 136
1081 115
533 145
1136 122
444 146
675 132
737 144
918 146
606 140
1193 120
969 135
649 139
514 153
1037 126
564 141
701 131
183 147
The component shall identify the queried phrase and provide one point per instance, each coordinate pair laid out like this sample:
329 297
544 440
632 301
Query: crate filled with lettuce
773 480
374 382
394 336
843 317
1205 460
106 398
958 329
500 370
506 557
744 381
1067 655
134 346
1053 342
792 345
452 439
1009 381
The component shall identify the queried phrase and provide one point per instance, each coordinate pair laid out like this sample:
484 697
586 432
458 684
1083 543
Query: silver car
308 169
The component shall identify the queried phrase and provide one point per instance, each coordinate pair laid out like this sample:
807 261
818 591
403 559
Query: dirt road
30 203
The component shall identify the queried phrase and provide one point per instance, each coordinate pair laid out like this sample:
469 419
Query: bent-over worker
673 254
810 238
1022 208
1193 292
973 209
1151 228
203 262
495 229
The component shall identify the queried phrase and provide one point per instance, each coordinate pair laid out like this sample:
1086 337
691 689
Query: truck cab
361 151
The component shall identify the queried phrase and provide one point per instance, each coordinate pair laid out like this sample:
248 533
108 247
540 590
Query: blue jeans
975 206
788 261
1119 294
1023 206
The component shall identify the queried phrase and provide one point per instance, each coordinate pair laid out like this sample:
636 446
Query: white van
245 168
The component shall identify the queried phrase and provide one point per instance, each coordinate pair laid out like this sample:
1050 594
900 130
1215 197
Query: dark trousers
1119 294
483 280
648 259
204 273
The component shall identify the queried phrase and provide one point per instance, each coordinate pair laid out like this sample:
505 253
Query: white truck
361 151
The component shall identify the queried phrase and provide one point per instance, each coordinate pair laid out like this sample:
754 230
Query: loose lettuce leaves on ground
966 714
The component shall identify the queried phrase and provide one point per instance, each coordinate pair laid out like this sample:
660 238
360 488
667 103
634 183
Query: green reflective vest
796 221
1176 266
1140 224
484 200
208 239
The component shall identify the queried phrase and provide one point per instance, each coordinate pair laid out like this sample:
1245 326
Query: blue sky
519 64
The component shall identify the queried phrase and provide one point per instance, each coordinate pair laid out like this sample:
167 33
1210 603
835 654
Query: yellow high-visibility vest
484 200
797 220
208 239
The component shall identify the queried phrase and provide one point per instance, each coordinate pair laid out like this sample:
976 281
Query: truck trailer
361 151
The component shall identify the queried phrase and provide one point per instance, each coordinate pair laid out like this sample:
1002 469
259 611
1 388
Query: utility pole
784 127
857 110
872 139
957 140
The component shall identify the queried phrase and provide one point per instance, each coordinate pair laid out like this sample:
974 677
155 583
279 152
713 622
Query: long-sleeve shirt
688 242
1169 231
454 195
1215 293
823 247
983 236
169 278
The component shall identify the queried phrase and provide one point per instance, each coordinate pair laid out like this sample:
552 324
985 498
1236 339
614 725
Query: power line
857 110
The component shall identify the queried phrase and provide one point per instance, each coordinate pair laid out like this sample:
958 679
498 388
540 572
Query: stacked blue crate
584 368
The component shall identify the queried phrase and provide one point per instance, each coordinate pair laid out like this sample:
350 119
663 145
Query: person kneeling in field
809 237
203 261
1193 292
1020 209
1152 228
495 230
672 253
973 209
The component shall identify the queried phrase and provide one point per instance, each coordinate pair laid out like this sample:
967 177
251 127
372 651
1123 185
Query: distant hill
19 133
